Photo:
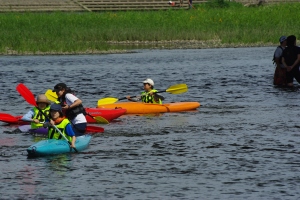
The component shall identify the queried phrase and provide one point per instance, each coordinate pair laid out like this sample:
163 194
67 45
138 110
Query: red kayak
108 114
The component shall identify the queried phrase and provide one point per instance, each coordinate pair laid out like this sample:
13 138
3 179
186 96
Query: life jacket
71 113
40 116
146 98
54 134
280 58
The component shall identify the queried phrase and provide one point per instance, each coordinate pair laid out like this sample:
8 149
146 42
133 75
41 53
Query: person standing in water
280 70
291 60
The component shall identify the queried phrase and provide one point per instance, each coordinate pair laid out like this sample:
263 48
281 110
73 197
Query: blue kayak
52 146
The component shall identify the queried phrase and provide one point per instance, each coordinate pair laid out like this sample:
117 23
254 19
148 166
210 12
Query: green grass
78 32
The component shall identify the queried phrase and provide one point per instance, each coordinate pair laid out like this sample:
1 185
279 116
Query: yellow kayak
146 108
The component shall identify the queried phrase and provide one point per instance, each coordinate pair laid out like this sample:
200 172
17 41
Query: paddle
8 118
52 96
174 89
29 97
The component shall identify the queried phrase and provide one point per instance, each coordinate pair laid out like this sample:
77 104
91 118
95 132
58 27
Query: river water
242 143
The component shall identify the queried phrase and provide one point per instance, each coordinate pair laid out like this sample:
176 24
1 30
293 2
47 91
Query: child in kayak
34 115
149 95
62 123
73 108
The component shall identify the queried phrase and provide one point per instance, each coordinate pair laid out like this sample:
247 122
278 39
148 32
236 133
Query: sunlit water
242 143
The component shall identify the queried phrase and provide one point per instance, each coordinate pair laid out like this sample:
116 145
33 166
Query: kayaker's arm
71 133
159 96
135 99
28 116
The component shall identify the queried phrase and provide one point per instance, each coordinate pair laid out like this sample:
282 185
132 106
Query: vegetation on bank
230 23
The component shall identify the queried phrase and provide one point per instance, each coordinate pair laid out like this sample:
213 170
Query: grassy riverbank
205 26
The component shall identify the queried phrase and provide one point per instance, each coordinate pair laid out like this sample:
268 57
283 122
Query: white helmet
149 81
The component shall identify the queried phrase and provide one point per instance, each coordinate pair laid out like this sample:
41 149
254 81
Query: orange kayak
146 108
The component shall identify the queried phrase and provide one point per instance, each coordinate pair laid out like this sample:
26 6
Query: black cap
59 87
56 107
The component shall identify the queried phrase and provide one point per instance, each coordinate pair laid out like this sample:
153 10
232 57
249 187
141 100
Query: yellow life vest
54 134
146 98
40 116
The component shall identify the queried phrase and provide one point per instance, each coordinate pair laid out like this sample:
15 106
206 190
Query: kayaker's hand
52 122
36 121
289 68
65 107
46 124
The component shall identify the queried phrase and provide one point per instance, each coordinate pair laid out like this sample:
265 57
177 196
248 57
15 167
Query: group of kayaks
107 109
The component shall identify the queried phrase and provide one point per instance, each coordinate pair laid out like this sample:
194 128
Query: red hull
108 114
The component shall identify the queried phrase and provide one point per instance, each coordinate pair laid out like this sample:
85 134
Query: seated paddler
35 115
62 123
149 95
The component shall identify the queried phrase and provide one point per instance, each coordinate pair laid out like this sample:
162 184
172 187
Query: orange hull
146 108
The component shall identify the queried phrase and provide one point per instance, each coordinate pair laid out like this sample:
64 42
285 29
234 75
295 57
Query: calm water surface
242 143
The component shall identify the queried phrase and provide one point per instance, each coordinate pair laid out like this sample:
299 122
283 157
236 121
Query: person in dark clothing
280 70
291 60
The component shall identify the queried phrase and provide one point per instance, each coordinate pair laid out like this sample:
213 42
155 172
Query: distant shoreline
129 46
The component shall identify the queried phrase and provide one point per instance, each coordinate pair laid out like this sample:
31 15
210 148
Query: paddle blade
8 118
26 94
51 96
94 129
177 89
101 120
109 100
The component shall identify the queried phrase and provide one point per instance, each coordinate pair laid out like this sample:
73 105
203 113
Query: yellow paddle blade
108 100
177 89
51 96
101 120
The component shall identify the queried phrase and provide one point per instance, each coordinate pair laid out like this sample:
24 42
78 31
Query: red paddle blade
94 129
26 94
8 118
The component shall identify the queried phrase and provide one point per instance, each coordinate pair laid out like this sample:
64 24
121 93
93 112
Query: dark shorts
79 129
